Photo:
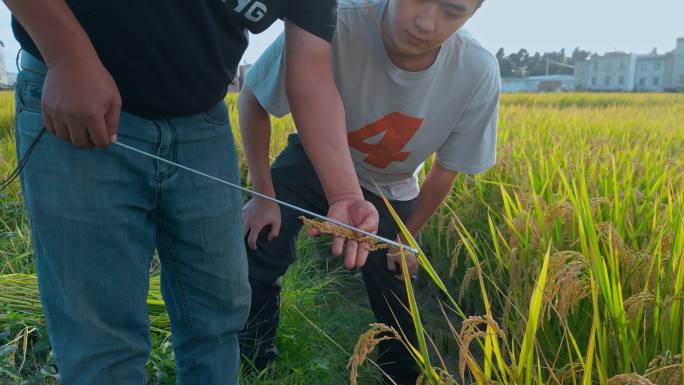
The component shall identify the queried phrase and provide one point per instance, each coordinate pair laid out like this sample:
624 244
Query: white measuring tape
268 198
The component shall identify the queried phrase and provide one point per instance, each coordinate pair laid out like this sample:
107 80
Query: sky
536 25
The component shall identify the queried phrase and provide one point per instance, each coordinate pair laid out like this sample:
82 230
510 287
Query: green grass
15 238
323 313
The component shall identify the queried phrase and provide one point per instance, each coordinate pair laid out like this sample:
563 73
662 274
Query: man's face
419 26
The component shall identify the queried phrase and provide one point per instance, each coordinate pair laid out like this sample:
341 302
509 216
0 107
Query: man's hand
81 102
394 261
257 214
360 214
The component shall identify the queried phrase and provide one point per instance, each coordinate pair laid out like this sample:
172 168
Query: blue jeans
96 218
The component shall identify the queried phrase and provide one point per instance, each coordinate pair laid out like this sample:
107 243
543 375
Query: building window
606 81
595 66
621 80
622 65
657 66
642 82
644 67
656 81
593 81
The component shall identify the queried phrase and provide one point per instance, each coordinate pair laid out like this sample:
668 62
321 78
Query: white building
677 81
612 72
620 71
650 72
549 83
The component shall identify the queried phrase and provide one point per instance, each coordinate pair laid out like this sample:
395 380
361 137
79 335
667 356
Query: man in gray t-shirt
413 85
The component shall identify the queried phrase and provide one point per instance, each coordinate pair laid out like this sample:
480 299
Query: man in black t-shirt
154 75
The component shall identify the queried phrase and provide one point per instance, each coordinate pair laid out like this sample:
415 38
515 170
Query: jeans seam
168 243
157 168
167 239
173 152
150 250
184 303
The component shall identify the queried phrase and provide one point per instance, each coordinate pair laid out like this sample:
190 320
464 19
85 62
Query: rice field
561 265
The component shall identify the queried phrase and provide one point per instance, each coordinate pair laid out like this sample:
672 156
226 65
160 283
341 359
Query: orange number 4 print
398 129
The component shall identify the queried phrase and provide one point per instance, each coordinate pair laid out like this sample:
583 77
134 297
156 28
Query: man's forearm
53 28
329 152
435 189
314 102
255 128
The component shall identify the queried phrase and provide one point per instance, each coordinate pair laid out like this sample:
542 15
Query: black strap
22 162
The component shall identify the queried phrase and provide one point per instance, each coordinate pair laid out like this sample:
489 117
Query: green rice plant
600 179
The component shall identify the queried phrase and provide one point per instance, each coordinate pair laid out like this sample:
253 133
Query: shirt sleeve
266 79
471 146
318 17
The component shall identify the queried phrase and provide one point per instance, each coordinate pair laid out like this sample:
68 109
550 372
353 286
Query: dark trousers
295 181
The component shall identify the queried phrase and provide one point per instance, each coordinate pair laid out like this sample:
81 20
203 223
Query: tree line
522 63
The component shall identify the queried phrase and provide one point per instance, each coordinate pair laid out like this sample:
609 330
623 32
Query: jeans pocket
29 91
217 115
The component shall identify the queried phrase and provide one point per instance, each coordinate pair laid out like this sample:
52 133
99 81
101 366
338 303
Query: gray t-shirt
396 119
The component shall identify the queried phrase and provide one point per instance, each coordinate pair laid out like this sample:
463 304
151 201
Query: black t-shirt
177 57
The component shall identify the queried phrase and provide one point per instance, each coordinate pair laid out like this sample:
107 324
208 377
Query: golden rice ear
568 284
629 379
666 370
366 344
470 330
331 229
444 378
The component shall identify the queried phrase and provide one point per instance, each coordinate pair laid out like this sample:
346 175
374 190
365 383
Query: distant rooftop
653 54
541 78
